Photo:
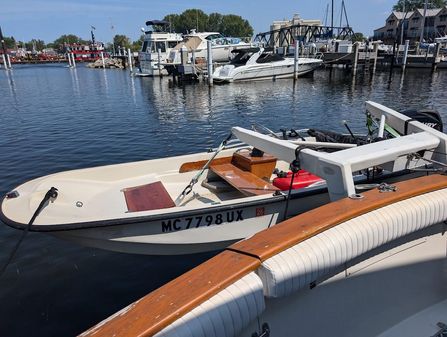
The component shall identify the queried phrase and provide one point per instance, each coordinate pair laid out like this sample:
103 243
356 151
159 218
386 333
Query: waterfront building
295 21
407 26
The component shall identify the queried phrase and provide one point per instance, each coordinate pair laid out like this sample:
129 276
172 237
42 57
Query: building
407 26
295 21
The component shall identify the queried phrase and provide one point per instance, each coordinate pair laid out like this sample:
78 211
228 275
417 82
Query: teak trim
198 165
163 306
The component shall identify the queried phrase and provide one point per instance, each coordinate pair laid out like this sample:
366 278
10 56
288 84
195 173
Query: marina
203 179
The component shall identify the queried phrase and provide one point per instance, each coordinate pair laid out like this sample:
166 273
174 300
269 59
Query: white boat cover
299 266
223 315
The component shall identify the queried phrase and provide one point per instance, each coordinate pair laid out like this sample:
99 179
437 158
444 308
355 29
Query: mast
423 22
326 15
332 19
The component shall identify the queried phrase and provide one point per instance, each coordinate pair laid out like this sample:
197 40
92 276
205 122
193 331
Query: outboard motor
428 117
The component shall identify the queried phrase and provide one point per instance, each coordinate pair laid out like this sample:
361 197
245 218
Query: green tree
234 25
411 5
230 25
35 43
136 45
358 37
215 22
121 41
10 42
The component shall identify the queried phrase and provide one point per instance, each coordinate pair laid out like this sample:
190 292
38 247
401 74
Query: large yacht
197 42
157 37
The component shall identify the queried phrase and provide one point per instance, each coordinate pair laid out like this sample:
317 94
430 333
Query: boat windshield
241 58
267 58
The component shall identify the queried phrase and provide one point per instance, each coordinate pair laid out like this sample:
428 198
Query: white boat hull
274 70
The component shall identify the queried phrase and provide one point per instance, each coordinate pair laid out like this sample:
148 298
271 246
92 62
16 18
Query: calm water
53 119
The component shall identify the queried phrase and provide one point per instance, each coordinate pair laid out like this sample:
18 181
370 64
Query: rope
52 193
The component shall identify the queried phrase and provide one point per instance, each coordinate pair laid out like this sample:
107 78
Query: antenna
332 20
326 14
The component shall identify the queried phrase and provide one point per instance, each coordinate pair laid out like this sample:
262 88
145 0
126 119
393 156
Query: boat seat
147 197
244 181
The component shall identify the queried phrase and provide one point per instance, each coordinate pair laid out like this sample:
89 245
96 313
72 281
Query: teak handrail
163 306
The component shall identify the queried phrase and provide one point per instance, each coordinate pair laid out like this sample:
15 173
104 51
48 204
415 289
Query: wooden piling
210 62
376 54
129 60
103 61
8 59
436 57
4 62
73 60
356 58
405 57
159 62
296 60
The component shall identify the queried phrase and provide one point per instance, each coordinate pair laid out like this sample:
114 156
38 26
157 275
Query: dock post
210 62
103 61
296 60
376 55
405 58
129 59
436 57
4 62
356 58
159 62
9 61
73 60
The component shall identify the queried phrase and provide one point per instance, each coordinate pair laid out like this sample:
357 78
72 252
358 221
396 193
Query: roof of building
430 12
399 15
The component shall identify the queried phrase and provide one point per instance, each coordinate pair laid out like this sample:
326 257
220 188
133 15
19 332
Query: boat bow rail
215 298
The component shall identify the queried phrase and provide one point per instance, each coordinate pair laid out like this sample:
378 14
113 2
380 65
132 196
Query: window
390 22
443 17
143 49
415 20
161 46
214 36
172 44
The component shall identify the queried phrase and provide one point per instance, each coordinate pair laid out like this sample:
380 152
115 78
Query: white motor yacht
257 64
197 42
156 38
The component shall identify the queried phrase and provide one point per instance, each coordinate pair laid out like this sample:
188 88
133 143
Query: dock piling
8 59
356 58
436 57
405 57
296 60
73 60
129 59
210 62
159 62
103 61
376 53
4 62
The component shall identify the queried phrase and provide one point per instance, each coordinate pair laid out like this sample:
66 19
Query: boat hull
188 233
262 72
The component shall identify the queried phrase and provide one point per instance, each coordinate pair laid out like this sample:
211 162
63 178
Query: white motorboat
197 42
158 42
206 201
257 64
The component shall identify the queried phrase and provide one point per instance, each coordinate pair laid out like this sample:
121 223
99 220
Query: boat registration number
179 224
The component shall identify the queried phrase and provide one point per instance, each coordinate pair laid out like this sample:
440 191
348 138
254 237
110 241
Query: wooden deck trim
244 181
163 306
276 239
198 165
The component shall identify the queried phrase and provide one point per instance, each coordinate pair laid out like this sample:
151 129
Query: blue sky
48 19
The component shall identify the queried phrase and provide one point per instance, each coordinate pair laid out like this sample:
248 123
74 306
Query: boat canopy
159 26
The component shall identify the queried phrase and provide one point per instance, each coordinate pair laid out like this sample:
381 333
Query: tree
121 41
215 22
70 39
358 37
411 5
35 45
234 25
136 45
230 25
10 42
